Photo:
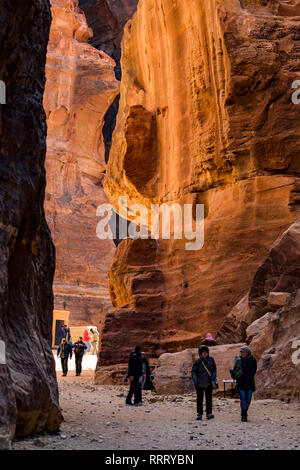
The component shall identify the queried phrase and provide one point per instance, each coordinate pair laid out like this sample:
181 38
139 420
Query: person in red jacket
86 339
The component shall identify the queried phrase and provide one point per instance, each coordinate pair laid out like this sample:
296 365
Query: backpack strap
206 368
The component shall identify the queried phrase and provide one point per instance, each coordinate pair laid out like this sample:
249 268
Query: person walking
245 382
79 348
64 332
204 375
64 352
135 374
147 383
86 339
94 341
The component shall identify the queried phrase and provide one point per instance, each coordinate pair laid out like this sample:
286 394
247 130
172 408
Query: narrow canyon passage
162 103
96 418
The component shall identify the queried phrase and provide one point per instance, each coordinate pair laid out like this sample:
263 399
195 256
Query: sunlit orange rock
205 116
80 86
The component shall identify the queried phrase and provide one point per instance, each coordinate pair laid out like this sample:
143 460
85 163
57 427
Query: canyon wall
28 389
206 117
80 87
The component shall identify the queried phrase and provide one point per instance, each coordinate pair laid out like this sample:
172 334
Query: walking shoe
244 416
199 417
209 416
138 404
129 404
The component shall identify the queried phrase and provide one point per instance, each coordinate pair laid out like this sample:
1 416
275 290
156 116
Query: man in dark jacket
135 374
79 348
147 383
203 373
64 332
246 383
64 351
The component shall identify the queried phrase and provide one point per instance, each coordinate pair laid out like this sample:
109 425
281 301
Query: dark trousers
64 365
136 390
78 362
208 399
245 397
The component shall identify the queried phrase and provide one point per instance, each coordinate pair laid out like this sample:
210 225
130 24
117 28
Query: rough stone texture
279 365
28 389
257 326
272 336
205 117
80 86
173 371
277 299
107 19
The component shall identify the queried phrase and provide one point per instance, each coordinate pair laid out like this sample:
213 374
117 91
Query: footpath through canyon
161 102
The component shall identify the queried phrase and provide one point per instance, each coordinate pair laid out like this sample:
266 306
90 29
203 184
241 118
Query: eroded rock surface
271 323
80 87
205 117
28 389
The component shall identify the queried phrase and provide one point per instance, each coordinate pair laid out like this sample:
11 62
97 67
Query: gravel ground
96 418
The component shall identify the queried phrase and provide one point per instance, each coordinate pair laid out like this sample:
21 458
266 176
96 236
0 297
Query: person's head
91 330
63 341
245 351
65 327
203 351
80 339
143 354
138 350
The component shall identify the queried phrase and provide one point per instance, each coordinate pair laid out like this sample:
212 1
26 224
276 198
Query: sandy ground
96 418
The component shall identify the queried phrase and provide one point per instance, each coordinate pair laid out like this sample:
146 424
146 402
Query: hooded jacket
200 375
246 381
135 366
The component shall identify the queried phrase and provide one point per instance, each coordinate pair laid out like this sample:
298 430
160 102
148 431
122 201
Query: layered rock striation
28 389
206 117
80 87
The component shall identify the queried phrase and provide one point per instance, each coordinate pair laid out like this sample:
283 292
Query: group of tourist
204 376
89 342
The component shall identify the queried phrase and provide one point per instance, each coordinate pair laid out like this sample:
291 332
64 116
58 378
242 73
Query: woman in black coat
246 383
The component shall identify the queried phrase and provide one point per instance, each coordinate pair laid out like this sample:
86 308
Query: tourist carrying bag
213 383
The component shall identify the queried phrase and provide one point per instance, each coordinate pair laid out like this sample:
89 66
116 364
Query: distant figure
244 372
86 339
135 374
204 374
147 383
64 332
94 341
64 351
209 340
79 348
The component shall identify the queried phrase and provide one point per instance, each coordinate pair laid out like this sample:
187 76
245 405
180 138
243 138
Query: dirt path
97 418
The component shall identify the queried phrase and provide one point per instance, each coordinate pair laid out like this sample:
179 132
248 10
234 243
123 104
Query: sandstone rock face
205 117
28 389
279 365
172 374
274 336
277 299
80 86
107 19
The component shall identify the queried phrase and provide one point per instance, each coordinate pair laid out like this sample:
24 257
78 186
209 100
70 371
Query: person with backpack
204 375
243 372
136 376
79 348
64 352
